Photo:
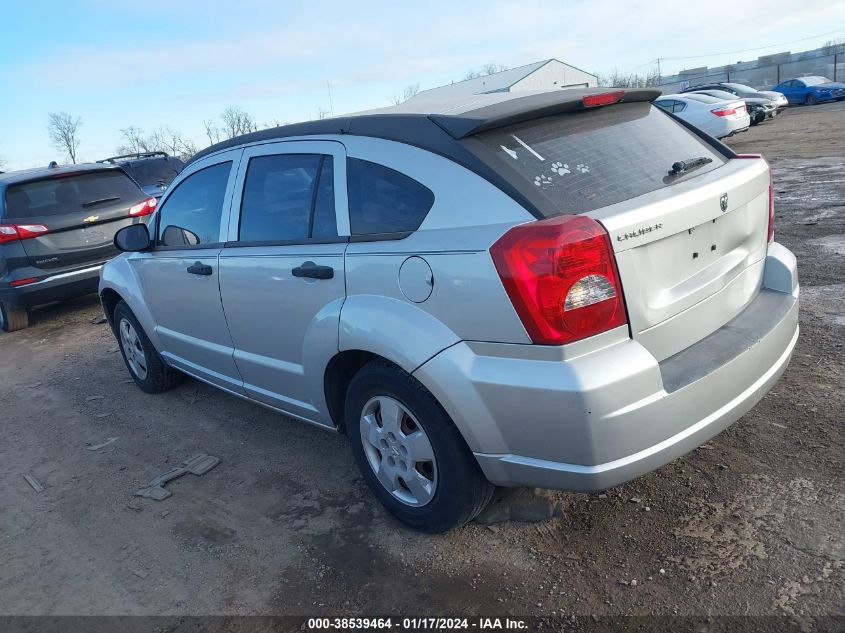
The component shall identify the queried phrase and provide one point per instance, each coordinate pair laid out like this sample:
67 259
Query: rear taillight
724 111
605 98
23 282
561 277
771 232
143 208
13 232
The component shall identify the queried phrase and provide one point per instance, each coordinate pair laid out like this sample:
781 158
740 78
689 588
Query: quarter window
381 200
288 197
190 216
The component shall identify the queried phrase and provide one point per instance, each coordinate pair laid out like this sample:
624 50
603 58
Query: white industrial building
549 74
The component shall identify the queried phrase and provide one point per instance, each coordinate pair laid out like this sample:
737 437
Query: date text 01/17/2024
416 624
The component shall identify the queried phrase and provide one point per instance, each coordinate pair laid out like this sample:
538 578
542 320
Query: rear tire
435 482
145 365
13 319
811 100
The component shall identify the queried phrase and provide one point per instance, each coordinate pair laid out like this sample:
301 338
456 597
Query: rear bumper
605 417
65 285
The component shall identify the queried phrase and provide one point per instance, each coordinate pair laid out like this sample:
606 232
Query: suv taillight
13 232
561 277
771 233
143 208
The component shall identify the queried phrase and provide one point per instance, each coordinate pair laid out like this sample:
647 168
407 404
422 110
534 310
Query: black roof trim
111 159
447 135
397 126
534 106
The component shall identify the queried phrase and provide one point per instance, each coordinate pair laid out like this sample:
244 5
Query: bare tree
409 91
486 69
619 80
322 113
211 131
237 122
62 129
134 141
490 69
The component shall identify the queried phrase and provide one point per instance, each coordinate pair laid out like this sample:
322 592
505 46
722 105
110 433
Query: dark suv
57 228
152 170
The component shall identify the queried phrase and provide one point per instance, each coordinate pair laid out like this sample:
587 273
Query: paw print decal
542 180
584 169
560 169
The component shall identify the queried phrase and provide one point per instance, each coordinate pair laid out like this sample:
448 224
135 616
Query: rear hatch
81 210
689 246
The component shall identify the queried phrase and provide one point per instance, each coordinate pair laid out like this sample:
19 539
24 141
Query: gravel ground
750 524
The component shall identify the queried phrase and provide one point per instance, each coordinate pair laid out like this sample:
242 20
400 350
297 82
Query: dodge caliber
562 289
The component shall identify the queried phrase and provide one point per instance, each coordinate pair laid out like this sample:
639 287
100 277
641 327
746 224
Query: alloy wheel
399 451
132 349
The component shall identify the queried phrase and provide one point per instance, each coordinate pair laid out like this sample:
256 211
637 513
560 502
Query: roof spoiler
536 106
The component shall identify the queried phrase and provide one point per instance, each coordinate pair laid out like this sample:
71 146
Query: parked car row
57 225
723 109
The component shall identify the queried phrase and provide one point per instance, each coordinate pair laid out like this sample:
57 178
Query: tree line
63 130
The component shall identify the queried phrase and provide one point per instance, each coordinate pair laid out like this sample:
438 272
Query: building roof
501 81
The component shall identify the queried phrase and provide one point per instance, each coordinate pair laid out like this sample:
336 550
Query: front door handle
198 268
313 271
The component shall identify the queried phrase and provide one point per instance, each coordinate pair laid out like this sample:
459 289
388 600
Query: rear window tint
591 159
153 171
70 194
381 200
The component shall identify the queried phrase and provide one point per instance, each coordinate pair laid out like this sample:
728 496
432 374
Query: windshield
742 88
815 81
594 158
70 193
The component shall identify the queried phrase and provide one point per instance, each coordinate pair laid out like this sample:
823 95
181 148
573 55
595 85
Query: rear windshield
71 194
154 171
591 159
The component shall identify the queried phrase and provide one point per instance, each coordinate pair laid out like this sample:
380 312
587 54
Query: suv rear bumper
65 285
604 417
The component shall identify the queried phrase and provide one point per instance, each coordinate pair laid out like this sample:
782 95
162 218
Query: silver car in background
717 117
562 289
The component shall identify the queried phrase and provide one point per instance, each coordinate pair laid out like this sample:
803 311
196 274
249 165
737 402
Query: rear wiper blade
686 165
91 203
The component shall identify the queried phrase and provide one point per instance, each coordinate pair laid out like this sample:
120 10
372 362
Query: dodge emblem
723 202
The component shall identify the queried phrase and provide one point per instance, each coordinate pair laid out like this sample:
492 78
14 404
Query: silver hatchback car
562 289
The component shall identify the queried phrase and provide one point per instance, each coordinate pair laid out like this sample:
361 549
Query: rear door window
288 198
71 194
591 159
382 200
191 215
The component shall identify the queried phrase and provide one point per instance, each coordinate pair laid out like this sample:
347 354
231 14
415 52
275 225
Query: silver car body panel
610 415
708 334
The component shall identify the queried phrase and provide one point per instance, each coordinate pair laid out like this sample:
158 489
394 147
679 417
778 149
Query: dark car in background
811 90
742 91
759 109
57 228
152 170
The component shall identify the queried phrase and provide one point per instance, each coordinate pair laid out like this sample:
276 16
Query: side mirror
133 238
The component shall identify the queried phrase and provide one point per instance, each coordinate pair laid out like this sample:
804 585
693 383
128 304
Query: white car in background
778 97
717 117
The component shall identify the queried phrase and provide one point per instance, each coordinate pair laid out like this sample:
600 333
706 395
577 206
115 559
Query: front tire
811 100
144 363
13 319
409 451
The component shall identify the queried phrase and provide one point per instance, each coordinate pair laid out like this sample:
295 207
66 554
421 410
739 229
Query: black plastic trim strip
316 240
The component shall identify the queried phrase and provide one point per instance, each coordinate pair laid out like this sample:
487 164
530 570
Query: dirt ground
749 524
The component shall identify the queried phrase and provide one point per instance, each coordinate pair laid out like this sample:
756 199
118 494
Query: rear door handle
313 271
198 268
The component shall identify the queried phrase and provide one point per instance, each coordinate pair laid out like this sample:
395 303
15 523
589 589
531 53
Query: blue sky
120 63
